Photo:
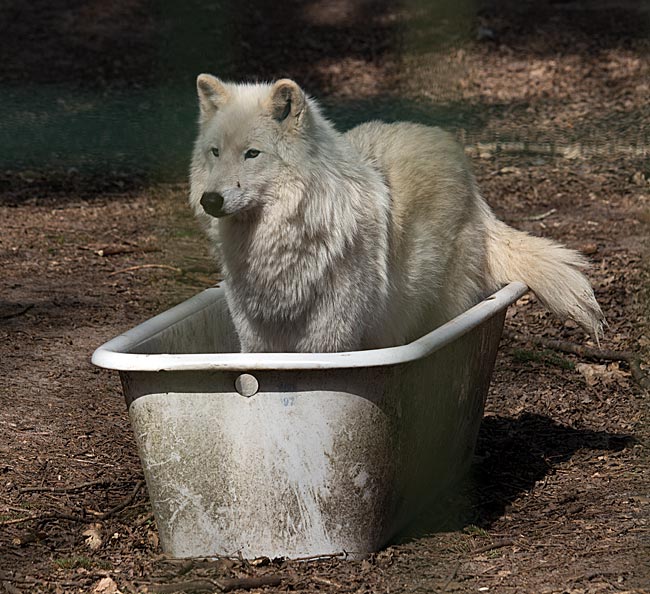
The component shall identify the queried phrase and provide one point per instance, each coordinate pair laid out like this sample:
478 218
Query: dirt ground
558 498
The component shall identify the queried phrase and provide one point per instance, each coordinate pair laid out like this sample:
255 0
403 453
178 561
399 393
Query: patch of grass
494 554
461 547
473 530
58 239
74 562
184 232
545 357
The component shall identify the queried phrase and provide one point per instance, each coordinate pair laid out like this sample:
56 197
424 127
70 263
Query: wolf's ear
287 100
212 94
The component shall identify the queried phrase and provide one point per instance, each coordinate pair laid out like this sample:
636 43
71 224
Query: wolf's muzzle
212 203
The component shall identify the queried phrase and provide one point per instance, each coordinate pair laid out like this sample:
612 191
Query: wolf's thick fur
337 242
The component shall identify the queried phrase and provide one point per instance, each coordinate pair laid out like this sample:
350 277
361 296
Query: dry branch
207 585
248 583
341 555
120 506
597 354
491 547
18 520
70 489
76 518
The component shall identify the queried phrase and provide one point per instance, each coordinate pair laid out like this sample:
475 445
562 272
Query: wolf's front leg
249 340
249 343
333 330
266 338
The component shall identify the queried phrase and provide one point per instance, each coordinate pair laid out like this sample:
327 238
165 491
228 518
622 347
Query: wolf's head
251 137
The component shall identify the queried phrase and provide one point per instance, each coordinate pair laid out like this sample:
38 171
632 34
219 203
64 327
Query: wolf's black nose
212 203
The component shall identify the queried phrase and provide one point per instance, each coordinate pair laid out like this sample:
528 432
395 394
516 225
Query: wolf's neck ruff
319 254
295 247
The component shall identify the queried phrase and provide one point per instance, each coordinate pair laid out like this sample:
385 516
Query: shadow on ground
513 455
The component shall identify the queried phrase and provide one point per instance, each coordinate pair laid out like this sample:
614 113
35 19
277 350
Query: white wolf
339 242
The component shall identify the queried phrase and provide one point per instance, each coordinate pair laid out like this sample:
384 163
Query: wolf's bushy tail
549 269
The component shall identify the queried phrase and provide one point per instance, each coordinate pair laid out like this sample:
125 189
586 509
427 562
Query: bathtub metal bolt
247 385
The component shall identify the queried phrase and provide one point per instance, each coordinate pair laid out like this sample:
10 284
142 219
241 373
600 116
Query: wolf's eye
251 154
215 151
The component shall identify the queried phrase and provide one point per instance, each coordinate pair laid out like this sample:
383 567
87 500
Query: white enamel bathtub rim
116 354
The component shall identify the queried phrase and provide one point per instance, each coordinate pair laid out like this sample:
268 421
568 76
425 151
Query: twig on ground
116 250
124 241
47 517
452 576
144 519
70 489
208 585
142 266
227 585
76 518
18 520
632 359
33 582
491 547
120 506
484 549
108 250
341 555
201 563
542 216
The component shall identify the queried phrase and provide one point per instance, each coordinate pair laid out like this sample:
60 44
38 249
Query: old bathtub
294 455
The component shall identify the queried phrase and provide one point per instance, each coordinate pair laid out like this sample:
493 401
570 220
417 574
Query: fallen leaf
589 248
605 374
93 536
105 586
